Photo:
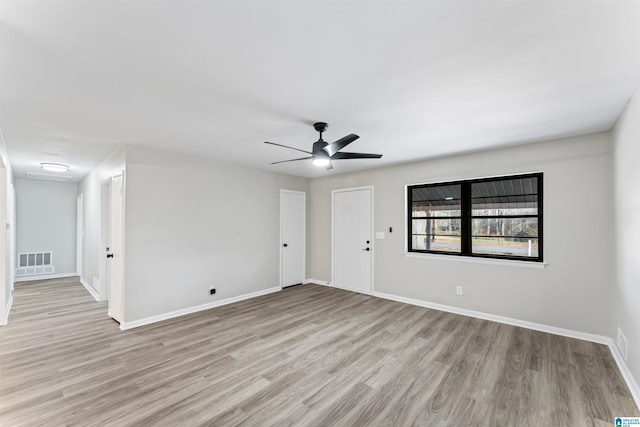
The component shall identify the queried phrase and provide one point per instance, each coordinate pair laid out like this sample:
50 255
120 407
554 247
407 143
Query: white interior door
105 235
292 237
79 233
352 239
116 254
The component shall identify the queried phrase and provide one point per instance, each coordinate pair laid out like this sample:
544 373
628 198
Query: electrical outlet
458 290
212 290
622 344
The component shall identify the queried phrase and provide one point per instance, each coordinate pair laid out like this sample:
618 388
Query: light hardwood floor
306 356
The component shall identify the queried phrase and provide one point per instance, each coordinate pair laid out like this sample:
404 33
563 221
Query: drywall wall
624 310
7 239
191 223
568 293
46 221
93 253
5 267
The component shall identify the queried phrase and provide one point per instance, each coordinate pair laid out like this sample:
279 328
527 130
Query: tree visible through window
490 217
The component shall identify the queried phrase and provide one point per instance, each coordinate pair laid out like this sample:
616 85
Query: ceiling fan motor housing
318 146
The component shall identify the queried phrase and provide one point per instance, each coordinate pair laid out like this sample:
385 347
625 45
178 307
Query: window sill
478 260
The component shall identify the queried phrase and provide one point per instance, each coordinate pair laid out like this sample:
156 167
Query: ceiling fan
322 152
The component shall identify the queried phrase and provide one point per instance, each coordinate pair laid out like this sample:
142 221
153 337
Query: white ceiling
415 79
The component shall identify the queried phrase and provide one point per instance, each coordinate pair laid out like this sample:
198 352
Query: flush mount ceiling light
54 167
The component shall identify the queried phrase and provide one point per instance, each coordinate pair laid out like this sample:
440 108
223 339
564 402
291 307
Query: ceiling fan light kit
322 153
321 161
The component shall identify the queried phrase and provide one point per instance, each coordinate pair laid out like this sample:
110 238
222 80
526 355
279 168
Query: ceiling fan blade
355 156
286 146
329 166
338 145
292 160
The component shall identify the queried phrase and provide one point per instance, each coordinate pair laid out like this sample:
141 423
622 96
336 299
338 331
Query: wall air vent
48 177
34 264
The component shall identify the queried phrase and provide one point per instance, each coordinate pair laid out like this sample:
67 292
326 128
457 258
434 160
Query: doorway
292 237
352 242
79 233
112 238
103 275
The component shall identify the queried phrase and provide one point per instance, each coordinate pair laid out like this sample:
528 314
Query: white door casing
116 250
352 239
292 237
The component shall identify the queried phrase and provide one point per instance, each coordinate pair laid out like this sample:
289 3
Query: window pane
436 227
516 196
435 211
444 244
436 201
444 227
512 228
505 246
419 226
503 212
419 242
436 234
445 235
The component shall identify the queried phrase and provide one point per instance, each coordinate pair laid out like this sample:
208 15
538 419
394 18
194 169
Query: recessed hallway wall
46 221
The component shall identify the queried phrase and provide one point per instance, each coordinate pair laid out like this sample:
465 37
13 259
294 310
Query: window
489 217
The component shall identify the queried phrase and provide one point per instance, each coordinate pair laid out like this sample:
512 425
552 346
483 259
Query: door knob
109 255
285 245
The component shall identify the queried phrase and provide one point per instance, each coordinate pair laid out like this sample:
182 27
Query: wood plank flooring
306 356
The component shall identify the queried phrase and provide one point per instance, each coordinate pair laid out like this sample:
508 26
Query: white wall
625 308
5 289
46 221
7 241
91 187
571 292
191 223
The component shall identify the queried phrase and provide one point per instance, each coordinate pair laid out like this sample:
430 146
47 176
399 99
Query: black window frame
466 217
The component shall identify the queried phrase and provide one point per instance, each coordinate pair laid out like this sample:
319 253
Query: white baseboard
153 319
97 286
626 373
92 291
500 319
44 277
600 339
7 309
318 282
